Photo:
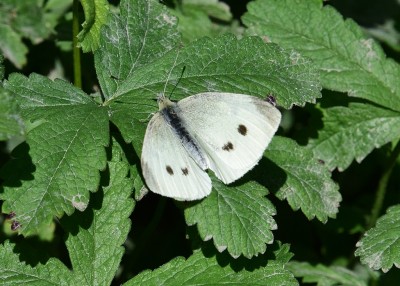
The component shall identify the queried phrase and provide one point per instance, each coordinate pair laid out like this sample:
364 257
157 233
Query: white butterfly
224 132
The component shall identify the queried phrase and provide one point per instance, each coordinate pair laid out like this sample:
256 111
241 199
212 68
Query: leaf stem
75 49
382 186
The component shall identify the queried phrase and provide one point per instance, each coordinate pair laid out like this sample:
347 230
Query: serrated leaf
66 139
12 47
346 60
14 272
103 227
142 33
221 64
199 270
325 276
353 132
237 218
10 121
225 63
300 179
380 246
96 12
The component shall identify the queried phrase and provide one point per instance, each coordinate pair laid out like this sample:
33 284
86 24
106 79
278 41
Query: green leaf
200 270
380 246
213 8
301 179
226 64
96 12
353 132
195 22
11 123
237 218
325 276
103 227
15 272
67 136
12 47
142 33
346 60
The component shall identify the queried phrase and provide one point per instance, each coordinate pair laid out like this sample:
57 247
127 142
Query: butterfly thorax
170 110
164 102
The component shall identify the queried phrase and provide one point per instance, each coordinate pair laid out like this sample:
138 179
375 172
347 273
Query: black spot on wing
228 146
185 171
169 170
242 129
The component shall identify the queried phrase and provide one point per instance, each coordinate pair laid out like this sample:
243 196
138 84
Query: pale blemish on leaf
78 204
295 57
171 20
368 44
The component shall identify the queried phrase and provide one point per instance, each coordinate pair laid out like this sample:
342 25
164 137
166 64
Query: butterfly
224 132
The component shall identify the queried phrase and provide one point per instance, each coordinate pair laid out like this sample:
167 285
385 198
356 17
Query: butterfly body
224 132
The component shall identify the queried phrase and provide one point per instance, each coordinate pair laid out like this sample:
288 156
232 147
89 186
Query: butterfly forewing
233 130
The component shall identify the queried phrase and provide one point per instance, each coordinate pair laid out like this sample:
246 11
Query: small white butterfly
224 132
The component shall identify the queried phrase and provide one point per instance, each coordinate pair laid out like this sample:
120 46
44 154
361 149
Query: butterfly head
163 101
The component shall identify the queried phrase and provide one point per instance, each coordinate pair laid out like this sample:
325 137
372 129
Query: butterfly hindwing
167 167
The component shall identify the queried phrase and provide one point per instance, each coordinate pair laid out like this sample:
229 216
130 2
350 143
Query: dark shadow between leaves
19 168
270 175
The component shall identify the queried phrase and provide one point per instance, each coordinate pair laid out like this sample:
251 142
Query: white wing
232 129
167 167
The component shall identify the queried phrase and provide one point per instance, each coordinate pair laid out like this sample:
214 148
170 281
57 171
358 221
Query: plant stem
382 186
75 49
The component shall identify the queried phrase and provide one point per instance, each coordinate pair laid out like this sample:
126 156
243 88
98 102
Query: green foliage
380 247
238 219
307 184
325 276
67 135
76 178
96 12
34 20
200 270
93 243
346 61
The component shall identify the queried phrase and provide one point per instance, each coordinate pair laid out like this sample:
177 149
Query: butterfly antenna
169 74
183 70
